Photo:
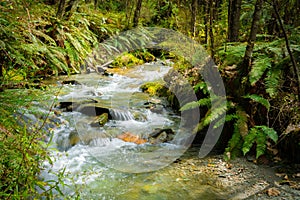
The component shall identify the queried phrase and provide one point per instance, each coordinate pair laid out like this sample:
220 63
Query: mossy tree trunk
210 30
66 9
234 12
245 69
294 64
137 11
194 8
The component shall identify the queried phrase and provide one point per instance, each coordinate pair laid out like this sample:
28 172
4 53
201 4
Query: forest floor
241 179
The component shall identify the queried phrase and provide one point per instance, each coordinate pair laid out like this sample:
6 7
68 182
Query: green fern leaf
258 69
234 145
249 140
273 81
261 144
201 87
258 99
190 105
270 133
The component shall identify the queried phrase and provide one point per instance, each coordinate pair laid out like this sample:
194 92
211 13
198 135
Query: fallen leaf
273 192
129 137
280 174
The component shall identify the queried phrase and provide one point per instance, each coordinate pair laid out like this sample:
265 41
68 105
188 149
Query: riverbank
241 179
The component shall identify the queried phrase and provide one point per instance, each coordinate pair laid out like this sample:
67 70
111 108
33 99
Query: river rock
71 82
100 120
92 109
157 109
74 138
73 104
161 136
86 138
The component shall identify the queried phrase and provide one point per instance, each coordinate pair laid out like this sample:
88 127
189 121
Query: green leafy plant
240 130
23 150
258 135
259 99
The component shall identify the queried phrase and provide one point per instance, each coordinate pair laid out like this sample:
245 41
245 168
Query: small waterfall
122 115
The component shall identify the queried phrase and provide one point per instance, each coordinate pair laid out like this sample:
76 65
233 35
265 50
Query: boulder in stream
100 120
161 136
71 82
93 109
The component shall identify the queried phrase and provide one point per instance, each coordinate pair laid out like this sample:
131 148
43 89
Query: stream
97 164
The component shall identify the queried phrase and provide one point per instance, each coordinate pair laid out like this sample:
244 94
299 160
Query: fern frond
269 132
76 44
249 140
189 106
228 118
234 145
46 37
258 69
261 144
273 81
214 114
201 87
259 135
259 99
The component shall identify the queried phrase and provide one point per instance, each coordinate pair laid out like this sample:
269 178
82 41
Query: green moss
127 60
154 88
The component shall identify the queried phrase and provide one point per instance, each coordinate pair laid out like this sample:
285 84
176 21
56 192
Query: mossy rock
101 120
74 138
154 88
127 60
145 56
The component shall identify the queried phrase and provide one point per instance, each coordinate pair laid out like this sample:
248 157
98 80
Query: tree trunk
211 34
244 71
206 17
137 13
61 9
65 10
1 73
96 3
294 64
234 13
194 8
71 6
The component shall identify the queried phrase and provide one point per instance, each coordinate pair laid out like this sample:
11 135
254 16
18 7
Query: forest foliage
255 45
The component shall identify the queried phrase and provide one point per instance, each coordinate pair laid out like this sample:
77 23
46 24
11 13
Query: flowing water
101 166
